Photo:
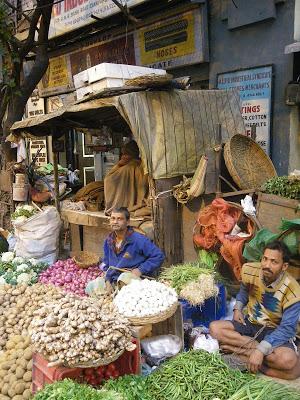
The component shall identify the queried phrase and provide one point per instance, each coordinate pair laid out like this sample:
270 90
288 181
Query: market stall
183 123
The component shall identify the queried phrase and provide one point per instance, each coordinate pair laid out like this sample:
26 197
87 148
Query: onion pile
69 276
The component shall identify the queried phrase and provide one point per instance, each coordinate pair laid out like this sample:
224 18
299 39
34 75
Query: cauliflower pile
18 270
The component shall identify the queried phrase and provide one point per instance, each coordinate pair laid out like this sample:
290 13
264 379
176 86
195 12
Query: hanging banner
58 77
255 89
69 15
173 42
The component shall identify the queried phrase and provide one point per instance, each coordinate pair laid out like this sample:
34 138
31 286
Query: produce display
22 213
70 390
16 369
18 270
77 331
69 276
17 305
132 387
193 282
144 298
96 376
263 390
285 186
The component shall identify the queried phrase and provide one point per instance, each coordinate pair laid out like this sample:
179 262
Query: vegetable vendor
266 338
126 249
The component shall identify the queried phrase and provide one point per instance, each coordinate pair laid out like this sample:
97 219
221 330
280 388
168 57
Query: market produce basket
248 164
85 259
154 319
97 363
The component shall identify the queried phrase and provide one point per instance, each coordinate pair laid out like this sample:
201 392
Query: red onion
69 276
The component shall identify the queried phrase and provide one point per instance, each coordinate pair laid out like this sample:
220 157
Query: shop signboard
69 15
58 77
173 42
35 105
255 89
118 50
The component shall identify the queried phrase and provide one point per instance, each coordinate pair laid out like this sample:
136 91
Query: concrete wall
254 45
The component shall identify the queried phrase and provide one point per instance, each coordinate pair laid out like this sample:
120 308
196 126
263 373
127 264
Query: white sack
38 237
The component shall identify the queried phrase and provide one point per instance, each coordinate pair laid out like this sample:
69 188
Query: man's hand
136 272
238 316
255 361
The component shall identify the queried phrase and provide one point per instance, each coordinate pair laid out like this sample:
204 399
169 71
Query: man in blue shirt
126 249
265 335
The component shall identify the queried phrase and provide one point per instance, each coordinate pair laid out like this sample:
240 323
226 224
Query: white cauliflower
24 278
18 260
8 256
23 267
33 261
28 208
2 281
20 219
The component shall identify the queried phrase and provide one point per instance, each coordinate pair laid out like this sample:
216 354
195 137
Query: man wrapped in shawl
126 185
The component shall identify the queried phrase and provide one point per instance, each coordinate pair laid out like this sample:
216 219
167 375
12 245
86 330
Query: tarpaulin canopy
173 128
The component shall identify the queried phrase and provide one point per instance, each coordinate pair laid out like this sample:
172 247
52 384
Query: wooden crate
271 209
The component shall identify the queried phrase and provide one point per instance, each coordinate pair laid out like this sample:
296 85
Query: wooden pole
56 183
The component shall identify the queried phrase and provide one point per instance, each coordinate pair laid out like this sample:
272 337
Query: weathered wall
258 44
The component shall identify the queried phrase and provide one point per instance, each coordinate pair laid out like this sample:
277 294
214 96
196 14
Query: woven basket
97 363
247 163
85 259
154 319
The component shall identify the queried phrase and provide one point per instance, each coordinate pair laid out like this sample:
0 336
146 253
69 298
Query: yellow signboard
57 78
57 73
168 39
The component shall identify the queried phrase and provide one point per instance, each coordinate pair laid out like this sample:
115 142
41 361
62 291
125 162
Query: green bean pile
196 375
260 389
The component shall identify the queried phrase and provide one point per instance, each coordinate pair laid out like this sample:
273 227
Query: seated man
126 249
126 185
266 336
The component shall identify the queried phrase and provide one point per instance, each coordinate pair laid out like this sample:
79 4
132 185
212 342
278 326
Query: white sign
255 89
35 105
69 15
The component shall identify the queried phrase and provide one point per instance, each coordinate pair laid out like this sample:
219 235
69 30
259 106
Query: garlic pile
76 330
144 298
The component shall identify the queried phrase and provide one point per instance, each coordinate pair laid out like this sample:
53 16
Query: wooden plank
168 221
141 332
94 237
171 326
278 200
75 238
88 218
238 193
271 209
188 221
5 181
211 176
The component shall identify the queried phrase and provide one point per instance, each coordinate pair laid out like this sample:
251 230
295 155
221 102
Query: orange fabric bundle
212 231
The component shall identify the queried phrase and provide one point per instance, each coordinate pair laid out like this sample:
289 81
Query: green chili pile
196 375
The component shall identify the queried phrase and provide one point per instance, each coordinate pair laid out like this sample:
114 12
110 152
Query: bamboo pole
56 183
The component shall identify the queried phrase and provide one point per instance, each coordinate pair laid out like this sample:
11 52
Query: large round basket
153 319
247 163
85 259
97 363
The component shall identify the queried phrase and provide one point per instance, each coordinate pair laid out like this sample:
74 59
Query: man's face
272 265
118 222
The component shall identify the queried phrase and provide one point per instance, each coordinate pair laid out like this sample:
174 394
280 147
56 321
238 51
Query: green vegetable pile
179 275
284 186
132 387
24 211
260 389
71 390
196 375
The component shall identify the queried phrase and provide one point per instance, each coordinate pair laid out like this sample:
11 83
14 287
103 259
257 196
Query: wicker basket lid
247 163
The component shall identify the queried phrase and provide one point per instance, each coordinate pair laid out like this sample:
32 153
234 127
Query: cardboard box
119 71
81 79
